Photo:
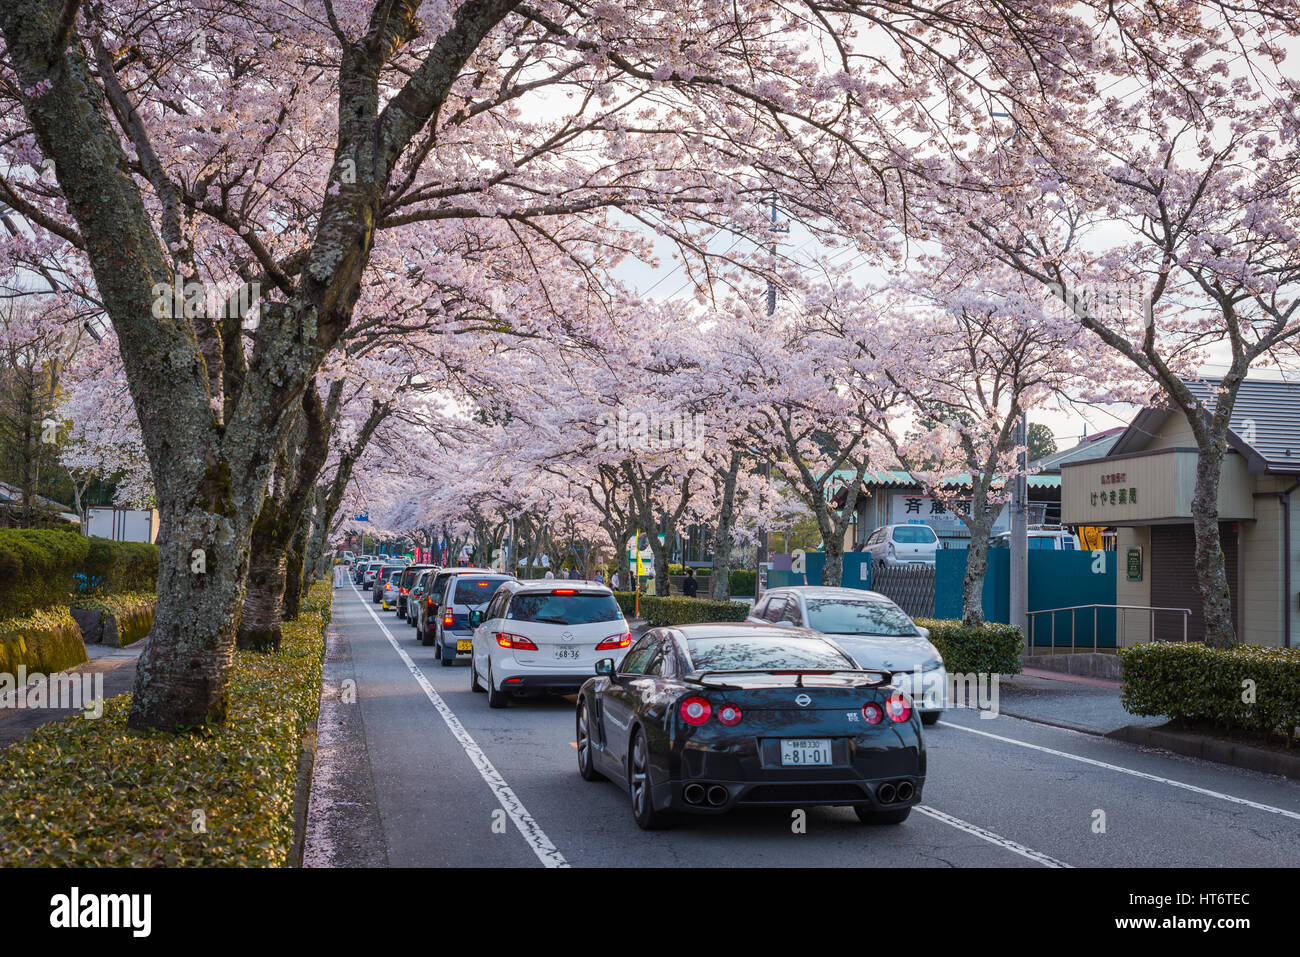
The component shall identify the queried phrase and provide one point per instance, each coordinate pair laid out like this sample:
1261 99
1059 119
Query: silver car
871 628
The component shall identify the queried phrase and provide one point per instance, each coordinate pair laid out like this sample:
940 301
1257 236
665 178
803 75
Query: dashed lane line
1293 815
532 832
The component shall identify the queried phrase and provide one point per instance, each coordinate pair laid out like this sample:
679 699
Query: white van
892 545
1048 537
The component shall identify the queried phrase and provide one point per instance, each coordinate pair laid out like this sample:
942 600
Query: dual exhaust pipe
895 791
716 795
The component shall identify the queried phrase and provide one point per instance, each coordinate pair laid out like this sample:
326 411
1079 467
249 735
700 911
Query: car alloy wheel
496 699
585 767
643 808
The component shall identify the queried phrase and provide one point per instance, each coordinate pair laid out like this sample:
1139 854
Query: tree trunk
1211 572
293 573
977 554
720 580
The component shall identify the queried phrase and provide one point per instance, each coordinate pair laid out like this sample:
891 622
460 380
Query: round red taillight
696 710
899 708
872 713
729 715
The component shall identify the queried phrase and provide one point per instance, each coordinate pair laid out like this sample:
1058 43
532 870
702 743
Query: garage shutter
1173 578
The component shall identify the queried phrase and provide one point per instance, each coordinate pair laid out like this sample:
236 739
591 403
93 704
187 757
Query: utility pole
1020 534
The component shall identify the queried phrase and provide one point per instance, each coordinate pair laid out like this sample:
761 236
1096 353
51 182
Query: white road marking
532 832
1294 815
986 835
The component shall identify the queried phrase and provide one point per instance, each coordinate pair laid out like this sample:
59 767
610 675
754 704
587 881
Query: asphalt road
414 769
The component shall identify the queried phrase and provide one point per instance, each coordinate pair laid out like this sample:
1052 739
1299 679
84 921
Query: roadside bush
990 648
121 566
742 581
627 602
91 793
659 611
37 568
46 641
1249 688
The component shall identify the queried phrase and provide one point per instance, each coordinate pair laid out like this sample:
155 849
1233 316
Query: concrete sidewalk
1067 701
117 665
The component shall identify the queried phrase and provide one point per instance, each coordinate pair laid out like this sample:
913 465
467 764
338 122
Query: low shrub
990 648
121 566
92 793
627 602
1250 688
742 581
37 568
44 641
658 611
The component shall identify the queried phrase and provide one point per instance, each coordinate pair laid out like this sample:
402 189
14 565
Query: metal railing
1096 609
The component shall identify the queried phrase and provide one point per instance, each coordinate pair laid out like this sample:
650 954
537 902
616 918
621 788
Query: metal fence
911 587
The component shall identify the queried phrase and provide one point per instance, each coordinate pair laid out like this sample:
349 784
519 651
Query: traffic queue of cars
818 698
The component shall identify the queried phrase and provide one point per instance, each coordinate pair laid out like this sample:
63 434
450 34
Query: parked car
409 574
892 545
872 629
463 592
1048 537
543 636
705 718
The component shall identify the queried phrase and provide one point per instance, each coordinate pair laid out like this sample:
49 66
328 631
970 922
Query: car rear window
472 590
838 616
914 534
553 609
738 654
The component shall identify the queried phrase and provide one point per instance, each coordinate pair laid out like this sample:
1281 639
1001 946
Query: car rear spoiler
879 676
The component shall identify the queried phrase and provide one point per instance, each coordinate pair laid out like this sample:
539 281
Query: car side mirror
923 632
475 617
605 667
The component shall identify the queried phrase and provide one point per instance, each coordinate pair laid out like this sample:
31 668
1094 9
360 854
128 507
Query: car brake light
448 621
615 641
482 584
899 708
404 591
872 713
729 715
564 591
506 640
696 710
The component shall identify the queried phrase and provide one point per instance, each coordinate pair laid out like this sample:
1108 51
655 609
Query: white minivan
544 635
892 545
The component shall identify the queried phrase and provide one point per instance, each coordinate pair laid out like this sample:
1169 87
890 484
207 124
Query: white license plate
801 752
567 654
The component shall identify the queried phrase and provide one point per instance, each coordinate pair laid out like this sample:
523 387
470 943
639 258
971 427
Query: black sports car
705 718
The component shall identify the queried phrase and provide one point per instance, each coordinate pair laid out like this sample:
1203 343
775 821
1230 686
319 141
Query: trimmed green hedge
121 566
44 641
674 610
37 568
91 793
627 602
1249 688
990 648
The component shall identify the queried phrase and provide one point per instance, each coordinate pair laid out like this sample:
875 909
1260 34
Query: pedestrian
690 587
600 578
339 571
549 574
574 574
613 581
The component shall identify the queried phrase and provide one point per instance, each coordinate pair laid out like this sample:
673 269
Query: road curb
1233 753
302 793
